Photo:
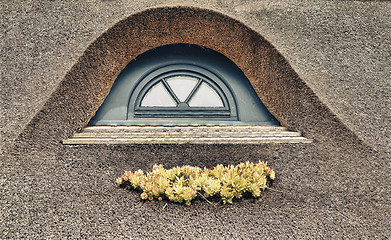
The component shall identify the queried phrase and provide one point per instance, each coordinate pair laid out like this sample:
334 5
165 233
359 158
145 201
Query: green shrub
182 184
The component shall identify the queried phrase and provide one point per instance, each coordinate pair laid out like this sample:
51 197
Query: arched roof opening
87 84
182 84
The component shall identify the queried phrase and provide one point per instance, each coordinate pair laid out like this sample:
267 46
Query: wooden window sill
185 134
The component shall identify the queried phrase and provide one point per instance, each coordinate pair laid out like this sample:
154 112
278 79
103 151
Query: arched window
182 85
183 93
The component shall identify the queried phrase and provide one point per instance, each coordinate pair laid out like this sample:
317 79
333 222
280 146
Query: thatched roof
329 60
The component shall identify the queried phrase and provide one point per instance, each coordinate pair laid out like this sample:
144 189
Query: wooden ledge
185 134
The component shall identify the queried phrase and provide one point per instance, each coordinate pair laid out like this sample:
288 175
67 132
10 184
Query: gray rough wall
341 49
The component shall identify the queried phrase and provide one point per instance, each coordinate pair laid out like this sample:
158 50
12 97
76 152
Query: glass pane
205 96
158 96
182 86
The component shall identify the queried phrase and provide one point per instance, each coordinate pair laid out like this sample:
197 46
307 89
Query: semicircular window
182 84
182 91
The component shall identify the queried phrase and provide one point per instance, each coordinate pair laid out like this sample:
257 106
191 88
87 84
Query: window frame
228 111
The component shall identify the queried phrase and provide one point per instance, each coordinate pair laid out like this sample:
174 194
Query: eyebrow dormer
182 84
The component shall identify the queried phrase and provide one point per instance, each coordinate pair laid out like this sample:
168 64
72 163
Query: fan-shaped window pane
182 86
158 96
205 96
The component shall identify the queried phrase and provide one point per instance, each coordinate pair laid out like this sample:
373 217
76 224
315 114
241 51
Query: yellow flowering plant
183 184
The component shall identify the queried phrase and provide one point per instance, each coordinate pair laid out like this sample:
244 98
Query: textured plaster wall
341 49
